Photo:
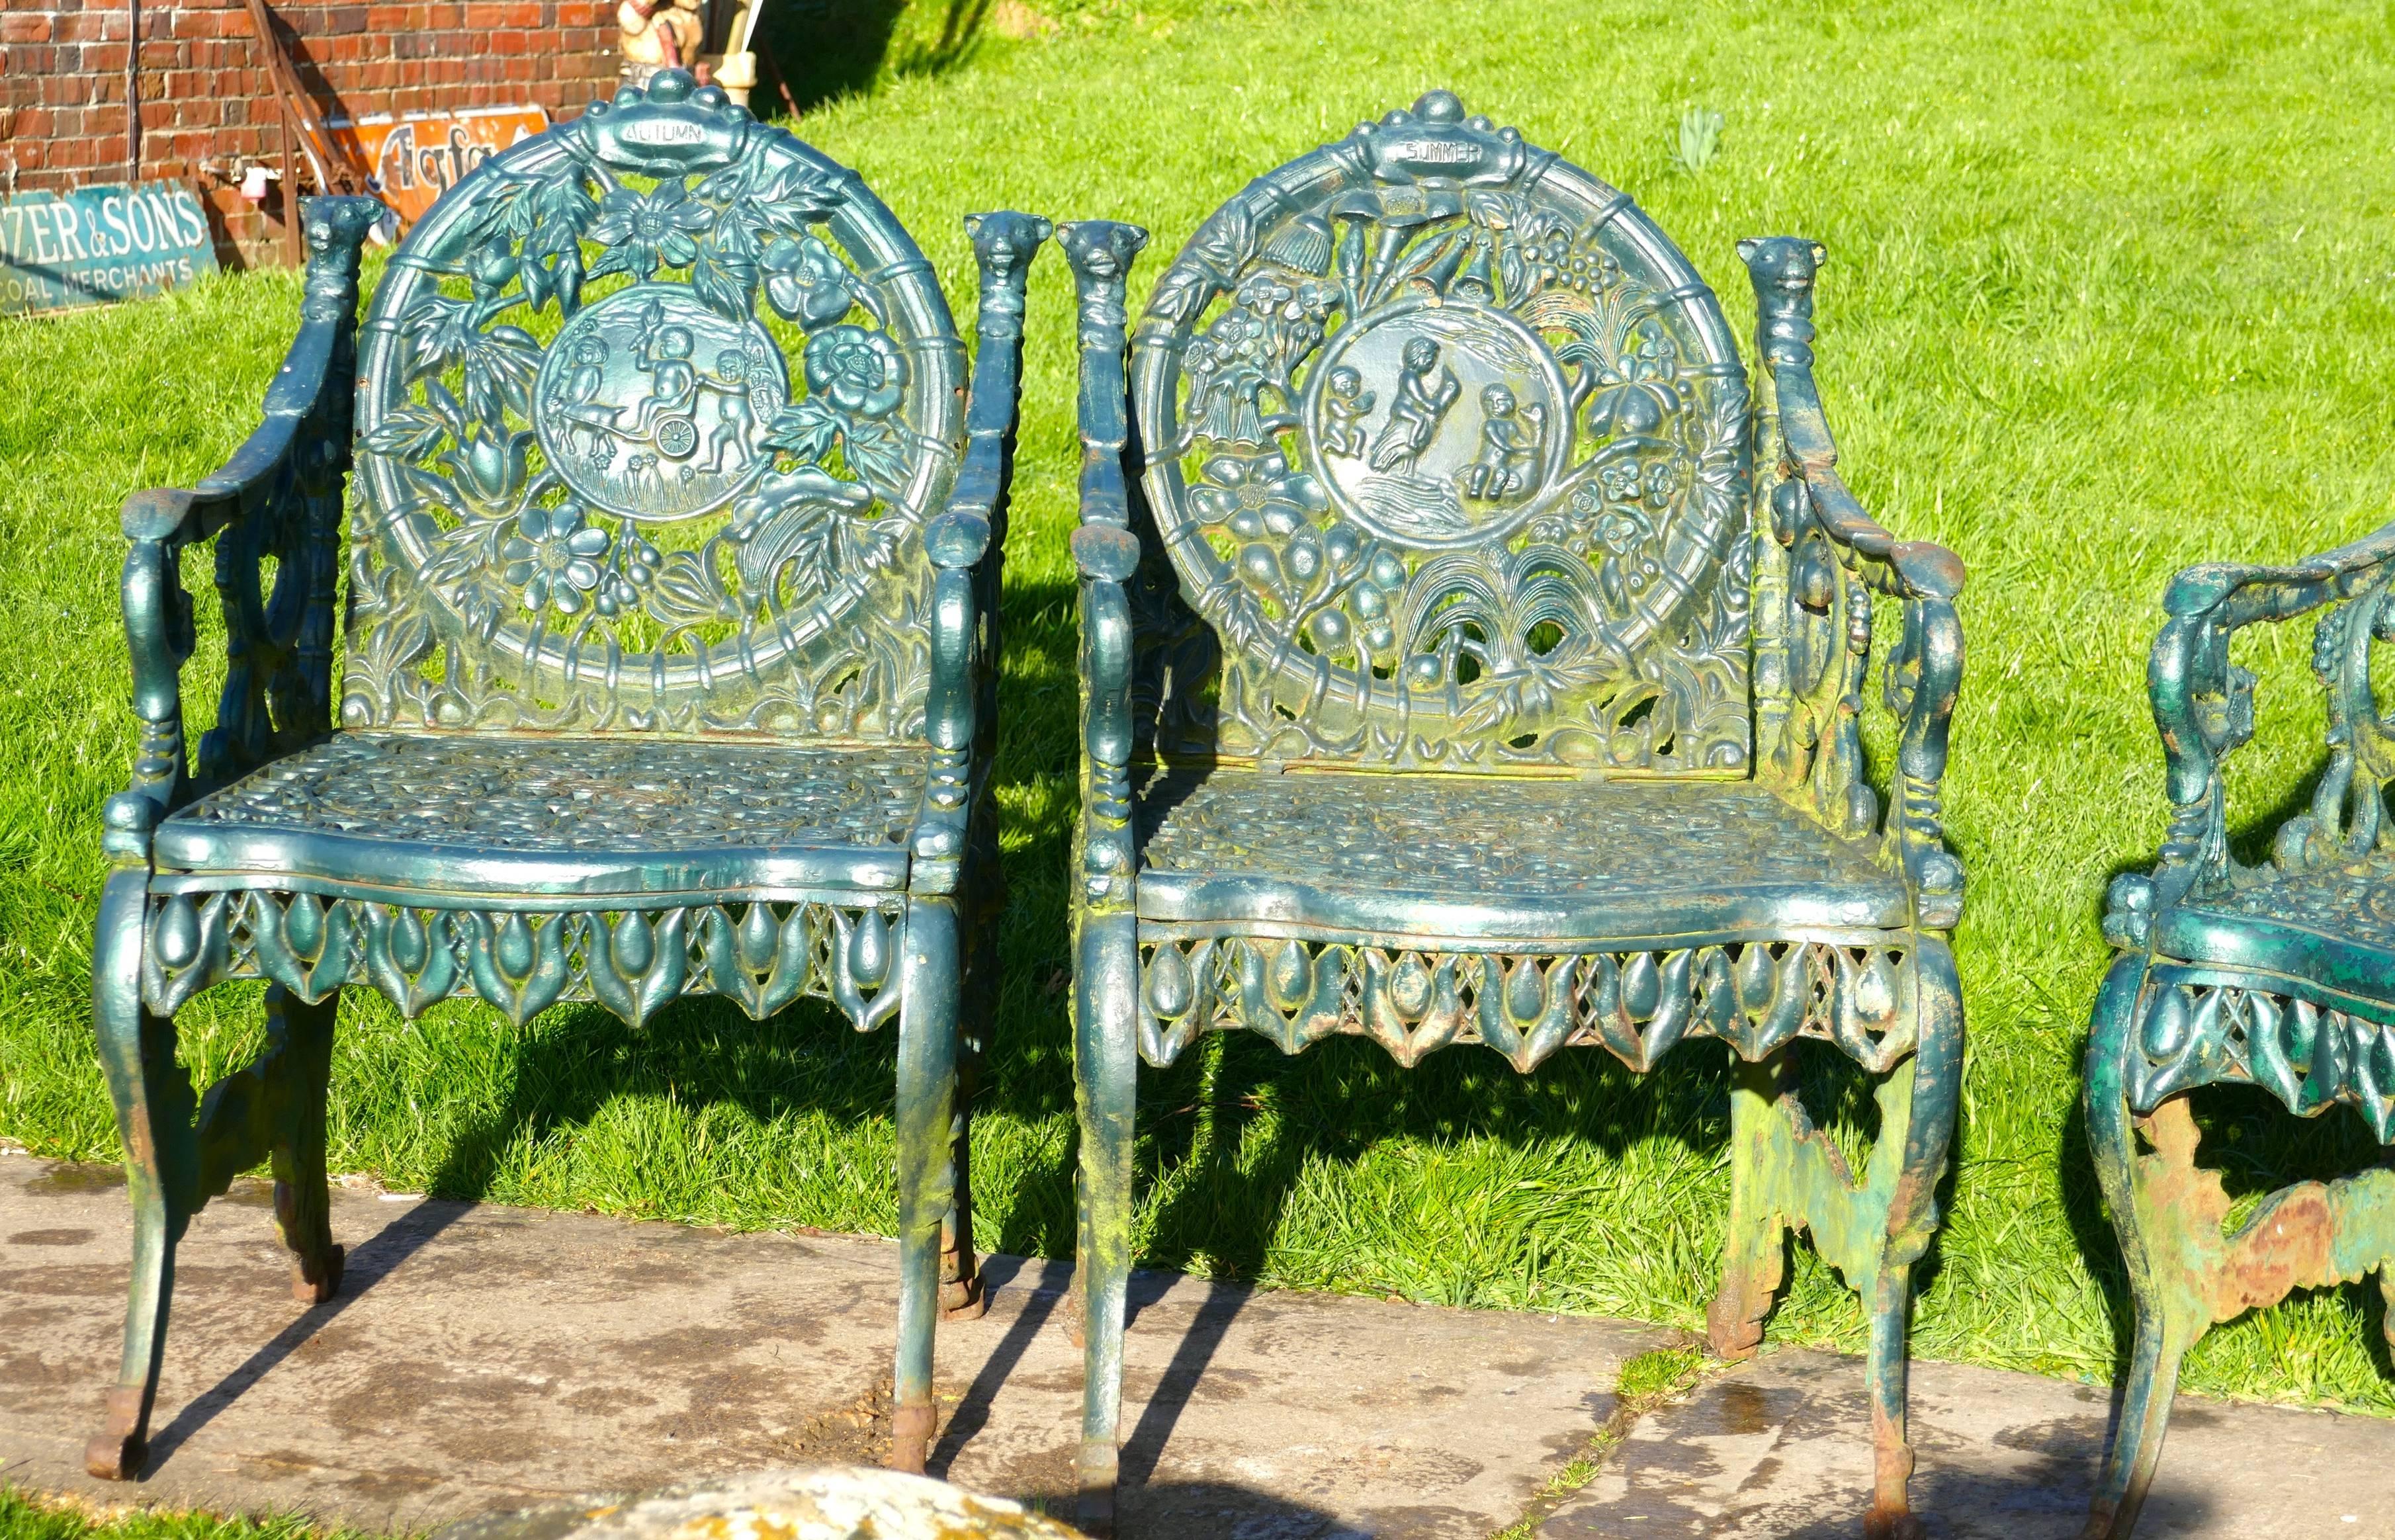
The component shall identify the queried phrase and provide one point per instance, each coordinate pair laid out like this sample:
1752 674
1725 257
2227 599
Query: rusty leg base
961 1292
118 1451
1734 1319
1094 1512
963 1299
910 1437
319 1283
1892 1520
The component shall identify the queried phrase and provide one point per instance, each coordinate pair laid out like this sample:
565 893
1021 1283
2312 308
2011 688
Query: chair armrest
966 546
2203 708
1106 554
280 495
1821 761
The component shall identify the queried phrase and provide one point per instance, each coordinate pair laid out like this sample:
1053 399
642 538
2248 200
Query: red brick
19 27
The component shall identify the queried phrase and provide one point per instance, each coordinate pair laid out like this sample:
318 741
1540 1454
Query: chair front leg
1753 1245
1106 1087
927 1016
154 1109
2164 1330
302 1197
1917 1122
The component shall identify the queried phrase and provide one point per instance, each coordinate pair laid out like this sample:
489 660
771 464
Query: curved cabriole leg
302 1202
155 1108
2165 1329
927 1083
1107 1086
1917 1123
1753 1249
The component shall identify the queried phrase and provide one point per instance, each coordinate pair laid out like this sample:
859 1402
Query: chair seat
563 817
2333 925
1463 856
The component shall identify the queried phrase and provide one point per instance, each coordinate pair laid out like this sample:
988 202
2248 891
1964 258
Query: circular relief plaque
649 403
1437 424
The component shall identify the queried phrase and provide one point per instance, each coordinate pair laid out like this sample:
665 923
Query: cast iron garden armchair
1449 677
670 606
2280 975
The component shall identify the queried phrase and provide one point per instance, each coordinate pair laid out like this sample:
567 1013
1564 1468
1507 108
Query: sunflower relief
1455 462
652 409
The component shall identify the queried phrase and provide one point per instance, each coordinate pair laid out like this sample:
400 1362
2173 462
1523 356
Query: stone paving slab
1771 1451
483 1358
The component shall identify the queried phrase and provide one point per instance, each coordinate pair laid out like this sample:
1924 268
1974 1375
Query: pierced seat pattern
2331 925
595 818
1550 859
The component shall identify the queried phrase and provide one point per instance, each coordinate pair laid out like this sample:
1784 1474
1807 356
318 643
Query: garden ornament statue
1451 677
2280 975
669 664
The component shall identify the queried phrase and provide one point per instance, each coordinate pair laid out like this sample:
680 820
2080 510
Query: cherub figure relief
664 356
735 421
1511 437
1414 415
1346 405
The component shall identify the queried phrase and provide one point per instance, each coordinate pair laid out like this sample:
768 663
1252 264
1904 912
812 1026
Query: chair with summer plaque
671 599
1451 677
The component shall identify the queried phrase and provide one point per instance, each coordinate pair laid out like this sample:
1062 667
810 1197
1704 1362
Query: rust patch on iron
2289 1242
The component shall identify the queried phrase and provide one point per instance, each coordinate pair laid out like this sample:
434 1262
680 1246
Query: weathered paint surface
763 870
1290 576
2278 975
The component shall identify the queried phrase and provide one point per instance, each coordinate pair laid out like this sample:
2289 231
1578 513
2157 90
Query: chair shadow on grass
826 50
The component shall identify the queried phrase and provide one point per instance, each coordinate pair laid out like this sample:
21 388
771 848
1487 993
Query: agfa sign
419 157
99 244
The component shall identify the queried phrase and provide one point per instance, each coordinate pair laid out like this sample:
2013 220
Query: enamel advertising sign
94 245
417 158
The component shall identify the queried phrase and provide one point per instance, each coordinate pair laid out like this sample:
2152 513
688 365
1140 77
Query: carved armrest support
2203 710
1106 554
966 546
1923 675
287 474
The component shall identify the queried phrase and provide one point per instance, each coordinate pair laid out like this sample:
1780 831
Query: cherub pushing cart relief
652 404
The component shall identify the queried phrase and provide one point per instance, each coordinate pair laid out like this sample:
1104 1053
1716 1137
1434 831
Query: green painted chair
671 612
1451 678
2280 975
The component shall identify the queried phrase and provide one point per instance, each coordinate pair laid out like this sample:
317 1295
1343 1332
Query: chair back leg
927 1084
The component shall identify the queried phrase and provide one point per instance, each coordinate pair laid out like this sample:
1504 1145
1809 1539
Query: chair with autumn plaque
2279 976
1451 678
671 599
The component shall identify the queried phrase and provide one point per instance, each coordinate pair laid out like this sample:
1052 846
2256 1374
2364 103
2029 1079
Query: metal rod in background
292 250
132 92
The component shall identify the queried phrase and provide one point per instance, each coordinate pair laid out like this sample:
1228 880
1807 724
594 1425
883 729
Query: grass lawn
31 1516
2112 290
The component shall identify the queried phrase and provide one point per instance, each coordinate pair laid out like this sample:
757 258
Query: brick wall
207 103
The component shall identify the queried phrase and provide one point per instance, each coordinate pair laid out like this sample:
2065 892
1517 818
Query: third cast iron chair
671 601
2280 975
1451 677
